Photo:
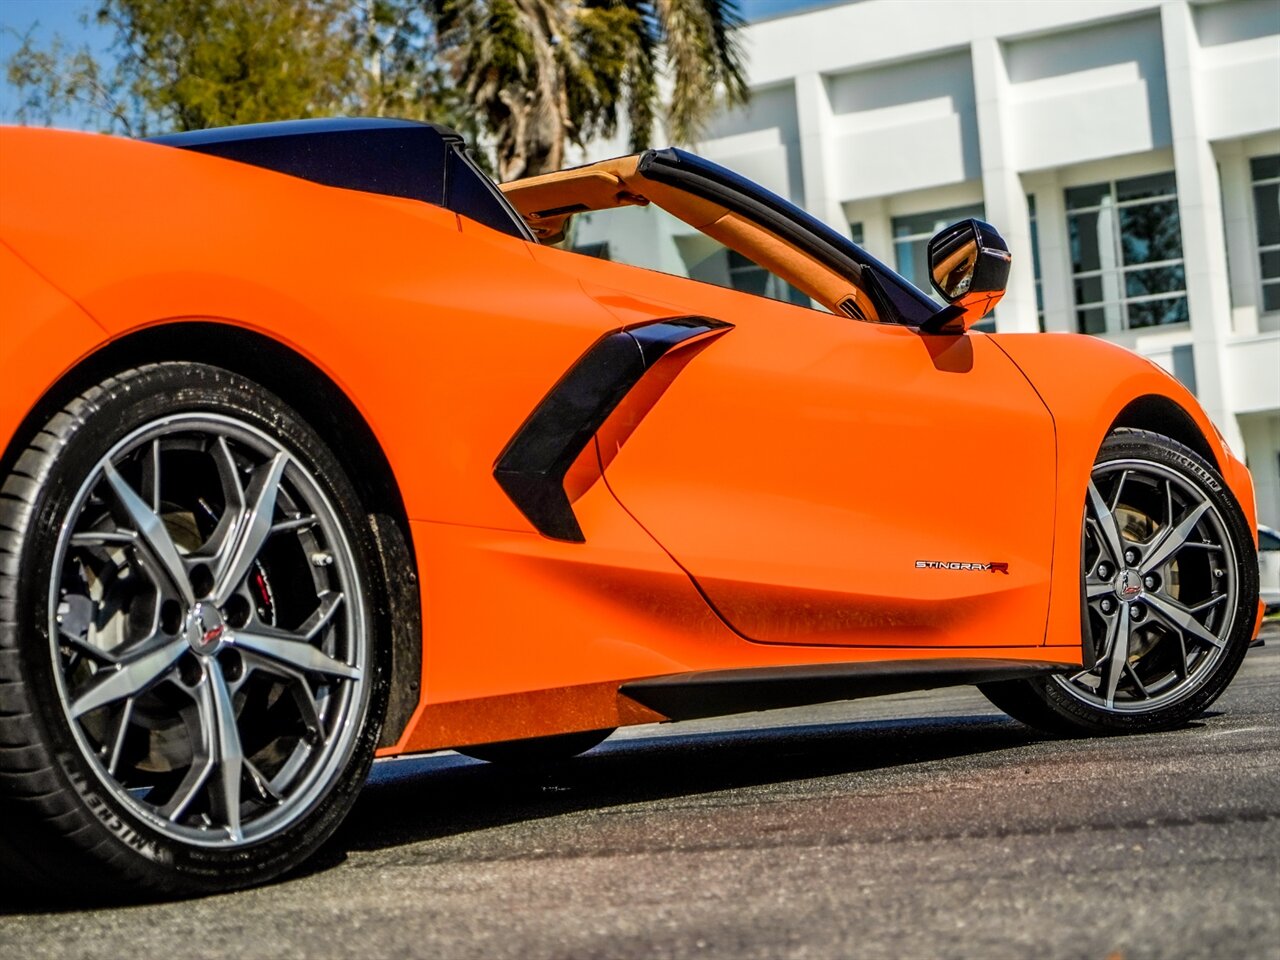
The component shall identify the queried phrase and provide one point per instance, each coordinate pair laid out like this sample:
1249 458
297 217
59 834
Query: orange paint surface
799 468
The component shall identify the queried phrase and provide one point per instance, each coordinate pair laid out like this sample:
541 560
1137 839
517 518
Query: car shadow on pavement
444 795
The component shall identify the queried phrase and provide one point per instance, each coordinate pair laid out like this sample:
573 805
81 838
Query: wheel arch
1160 414
330 412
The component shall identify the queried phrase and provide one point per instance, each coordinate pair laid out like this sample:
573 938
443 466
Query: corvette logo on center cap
1129 584
207 628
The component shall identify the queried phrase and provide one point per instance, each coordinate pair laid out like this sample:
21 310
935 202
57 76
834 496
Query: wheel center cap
1128 584
205 629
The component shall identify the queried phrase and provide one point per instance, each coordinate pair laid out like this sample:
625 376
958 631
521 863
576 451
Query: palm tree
539 74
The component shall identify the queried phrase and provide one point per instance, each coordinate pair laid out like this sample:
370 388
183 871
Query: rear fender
45 334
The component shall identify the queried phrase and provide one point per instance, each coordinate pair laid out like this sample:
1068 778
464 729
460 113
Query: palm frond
703 56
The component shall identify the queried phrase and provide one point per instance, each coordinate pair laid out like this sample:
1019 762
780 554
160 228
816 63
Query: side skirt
691 696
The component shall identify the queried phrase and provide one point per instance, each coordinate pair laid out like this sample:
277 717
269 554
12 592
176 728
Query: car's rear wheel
191 682
1170 590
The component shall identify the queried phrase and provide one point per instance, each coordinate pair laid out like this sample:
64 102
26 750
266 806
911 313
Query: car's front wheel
1170 589
190 677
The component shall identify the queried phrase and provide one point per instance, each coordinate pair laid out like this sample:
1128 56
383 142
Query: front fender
1086 384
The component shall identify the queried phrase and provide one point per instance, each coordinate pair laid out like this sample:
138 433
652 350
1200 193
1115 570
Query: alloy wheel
1160 587
208 631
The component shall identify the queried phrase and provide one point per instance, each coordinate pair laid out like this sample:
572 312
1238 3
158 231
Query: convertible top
396 158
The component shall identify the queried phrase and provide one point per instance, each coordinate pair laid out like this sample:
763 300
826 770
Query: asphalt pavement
920 825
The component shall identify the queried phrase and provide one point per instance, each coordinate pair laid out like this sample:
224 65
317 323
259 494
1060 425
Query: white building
1130 149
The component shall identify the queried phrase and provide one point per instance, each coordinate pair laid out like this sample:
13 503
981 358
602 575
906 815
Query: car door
830 481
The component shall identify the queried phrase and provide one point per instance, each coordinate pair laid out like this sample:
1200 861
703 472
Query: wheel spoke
81 645
1172 540
1106 522
296 523
217 547
1184 669
1181 618
152 531
224 794
294 648
1117 656
1196 545
1208 604
128 678
97 538
253 527
1115 498
304 697
1137 683
1098 588
151 478
121 731
202 750
261 785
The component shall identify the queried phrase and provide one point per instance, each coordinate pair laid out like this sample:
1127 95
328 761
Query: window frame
1033 231
1121 270
1260 249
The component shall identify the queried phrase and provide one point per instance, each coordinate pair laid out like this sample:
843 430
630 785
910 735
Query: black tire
69 825
537 751
1074 705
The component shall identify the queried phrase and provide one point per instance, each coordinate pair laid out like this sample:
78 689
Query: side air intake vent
532 467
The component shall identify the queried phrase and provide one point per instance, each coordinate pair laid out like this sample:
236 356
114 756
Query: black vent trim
532 467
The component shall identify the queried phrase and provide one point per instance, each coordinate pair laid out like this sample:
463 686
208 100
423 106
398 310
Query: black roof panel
396 158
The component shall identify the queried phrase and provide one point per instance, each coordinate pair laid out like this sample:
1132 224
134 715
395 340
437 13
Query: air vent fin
849 306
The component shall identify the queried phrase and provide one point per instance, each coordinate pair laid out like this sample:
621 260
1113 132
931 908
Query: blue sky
47 17
44 18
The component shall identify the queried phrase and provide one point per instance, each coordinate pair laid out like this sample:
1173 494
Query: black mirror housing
969 265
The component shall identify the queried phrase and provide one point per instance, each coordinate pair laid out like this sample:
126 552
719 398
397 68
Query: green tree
191 64
539 74
522 77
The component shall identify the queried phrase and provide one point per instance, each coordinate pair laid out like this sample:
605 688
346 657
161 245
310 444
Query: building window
1126 254
1266 206
856 233
1035 258
746 275
911 236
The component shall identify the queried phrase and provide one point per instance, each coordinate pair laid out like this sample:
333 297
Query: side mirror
969 266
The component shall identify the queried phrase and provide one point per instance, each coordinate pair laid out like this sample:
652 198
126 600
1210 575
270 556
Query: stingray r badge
995 566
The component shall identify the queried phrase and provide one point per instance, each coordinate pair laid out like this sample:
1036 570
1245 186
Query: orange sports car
319 446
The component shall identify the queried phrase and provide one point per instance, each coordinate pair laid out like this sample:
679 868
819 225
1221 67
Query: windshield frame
897 299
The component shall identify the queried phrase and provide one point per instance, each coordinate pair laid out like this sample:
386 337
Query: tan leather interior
547 202
797 268
963 260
